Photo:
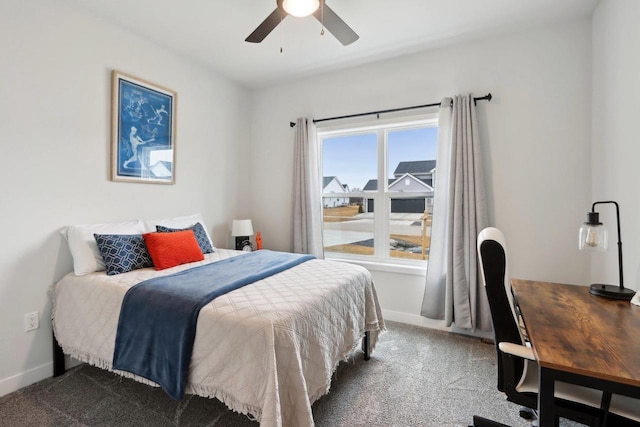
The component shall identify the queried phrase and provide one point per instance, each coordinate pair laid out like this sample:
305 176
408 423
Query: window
378 190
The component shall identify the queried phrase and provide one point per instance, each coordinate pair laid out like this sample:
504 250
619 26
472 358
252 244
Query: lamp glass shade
300 8
242 227
593 237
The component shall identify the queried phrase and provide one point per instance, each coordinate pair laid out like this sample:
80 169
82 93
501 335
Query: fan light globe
300 8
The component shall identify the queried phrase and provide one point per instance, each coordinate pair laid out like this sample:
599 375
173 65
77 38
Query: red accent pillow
171 249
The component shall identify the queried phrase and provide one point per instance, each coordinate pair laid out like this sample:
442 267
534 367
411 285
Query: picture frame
143 126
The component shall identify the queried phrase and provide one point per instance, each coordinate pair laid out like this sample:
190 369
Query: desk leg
546 391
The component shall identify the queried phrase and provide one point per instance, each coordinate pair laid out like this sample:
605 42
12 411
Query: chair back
494 272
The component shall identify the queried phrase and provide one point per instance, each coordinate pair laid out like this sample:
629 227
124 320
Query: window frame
382 197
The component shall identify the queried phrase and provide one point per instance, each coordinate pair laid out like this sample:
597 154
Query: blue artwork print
144 136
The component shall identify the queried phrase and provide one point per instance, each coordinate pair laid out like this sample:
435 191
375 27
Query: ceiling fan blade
336 25
266 27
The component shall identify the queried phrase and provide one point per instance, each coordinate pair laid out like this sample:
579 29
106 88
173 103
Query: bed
267 350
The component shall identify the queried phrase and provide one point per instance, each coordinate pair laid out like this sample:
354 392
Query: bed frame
59 365
58 358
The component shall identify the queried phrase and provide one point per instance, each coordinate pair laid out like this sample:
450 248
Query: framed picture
143 120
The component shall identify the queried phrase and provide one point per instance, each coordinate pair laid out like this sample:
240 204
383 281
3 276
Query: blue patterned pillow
198 230
123 252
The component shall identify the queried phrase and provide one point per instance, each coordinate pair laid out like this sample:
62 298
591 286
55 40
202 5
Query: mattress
267 350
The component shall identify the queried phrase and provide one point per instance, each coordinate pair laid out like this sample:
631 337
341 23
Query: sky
353 159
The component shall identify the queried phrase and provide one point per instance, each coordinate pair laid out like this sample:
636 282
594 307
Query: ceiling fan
302 8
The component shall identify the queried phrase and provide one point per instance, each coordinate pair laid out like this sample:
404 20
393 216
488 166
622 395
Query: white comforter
268 349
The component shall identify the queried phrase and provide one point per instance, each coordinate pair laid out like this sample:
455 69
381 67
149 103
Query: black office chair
517 369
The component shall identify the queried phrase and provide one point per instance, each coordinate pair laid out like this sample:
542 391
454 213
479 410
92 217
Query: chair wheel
527 413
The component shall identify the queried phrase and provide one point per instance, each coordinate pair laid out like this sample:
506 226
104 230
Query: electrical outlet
31 321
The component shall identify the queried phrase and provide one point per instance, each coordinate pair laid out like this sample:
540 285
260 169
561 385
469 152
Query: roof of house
372 184
415 167
326 180
425 182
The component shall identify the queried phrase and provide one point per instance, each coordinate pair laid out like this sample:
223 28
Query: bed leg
58 358
365 345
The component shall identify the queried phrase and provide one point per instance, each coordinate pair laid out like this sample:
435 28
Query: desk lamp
594 237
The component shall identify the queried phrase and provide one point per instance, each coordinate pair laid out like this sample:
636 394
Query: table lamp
594 237
241 230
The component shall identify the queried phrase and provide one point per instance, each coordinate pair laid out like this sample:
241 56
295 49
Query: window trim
382 196
414 268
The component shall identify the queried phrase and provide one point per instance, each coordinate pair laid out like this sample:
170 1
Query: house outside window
388 223
331 184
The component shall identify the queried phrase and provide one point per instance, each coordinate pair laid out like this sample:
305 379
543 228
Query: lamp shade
242 227
593 236
300 8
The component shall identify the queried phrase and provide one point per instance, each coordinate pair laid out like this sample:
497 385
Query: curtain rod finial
292 124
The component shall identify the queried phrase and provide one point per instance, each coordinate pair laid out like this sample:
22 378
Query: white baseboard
23 379
416 320
39 373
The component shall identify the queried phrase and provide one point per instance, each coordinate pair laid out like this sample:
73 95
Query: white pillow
178 222
86 256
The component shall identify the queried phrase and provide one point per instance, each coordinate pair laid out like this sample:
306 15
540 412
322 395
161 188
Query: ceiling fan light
300 8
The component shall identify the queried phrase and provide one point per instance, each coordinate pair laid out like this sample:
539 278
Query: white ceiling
212 32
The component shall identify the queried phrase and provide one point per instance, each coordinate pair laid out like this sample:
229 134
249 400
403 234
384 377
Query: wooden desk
579 338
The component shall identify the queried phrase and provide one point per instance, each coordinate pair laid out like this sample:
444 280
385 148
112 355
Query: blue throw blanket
157 325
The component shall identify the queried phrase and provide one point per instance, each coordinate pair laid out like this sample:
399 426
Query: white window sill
389 267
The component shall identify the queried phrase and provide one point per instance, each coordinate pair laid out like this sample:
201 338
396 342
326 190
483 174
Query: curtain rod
487 97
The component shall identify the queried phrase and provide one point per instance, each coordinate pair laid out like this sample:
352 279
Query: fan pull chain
281 32
322 17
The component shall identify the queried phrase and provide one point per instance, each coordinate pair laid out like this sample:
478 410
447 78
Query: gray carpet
416 377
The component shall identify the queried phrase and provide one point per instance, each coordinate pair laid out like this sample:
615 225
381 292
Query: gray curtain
453 290
306 222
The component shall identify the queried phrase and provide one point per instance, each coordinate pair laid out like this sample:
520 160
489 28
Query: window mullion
381 224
